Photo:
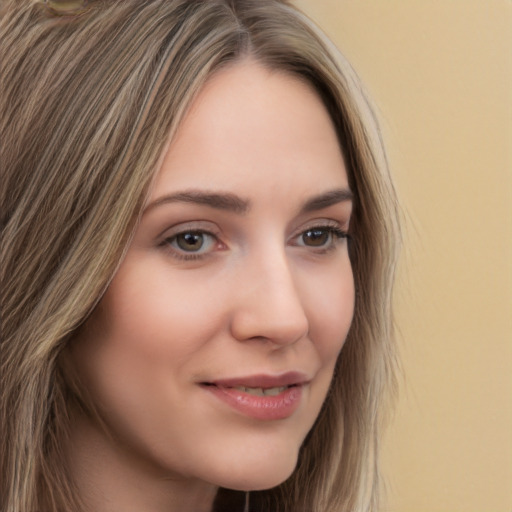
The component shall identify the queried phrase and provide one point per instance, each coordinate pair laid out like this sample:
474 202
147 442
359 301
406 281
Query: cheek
152 314
143 331
130 358
330 302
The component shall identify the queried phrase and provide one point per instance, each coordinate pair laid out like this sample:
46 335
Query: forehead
251 125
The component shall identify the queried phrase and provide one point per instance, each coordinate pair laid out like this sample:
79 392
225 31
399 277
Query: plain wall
440 72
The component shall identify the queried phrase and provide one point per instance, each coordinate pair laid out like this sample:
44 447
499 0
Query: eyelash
335 233
333 230
180 254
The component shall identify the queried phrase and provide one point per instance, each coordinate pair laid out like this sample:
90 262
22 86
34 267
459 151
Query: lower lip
265 408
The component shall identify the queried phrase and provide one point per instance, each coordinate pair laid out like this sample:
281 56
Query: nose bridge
269 303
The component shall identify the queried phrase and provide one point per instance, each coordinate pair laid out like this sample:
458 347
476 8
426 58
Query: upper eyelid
213 229
331 228
184 227
321 223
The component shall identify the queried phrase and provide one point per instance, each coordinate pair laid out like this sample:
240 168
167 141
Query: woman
199 237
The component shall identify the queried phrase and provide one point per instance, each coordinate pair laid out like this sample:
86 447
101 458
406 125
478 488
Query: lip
265 408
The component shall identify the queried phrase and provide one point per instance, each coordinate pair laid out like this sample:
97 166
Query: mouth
262 397
262 381
263 391
255 391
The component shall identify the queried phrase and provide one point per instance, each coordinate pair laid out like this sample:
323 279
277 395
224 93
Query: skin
252 295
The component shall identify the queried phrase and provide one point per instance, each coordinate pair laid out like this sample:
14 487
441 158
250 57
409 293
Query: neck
110 478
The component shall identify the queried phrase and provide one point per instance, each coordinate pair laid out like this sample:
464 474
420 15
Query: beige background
440 72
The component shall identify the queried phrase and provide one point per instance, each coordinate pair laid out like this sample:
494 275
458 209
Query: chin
258 476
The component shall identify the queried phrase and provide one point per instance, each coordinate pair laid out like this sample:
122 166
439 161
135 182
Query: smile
262 397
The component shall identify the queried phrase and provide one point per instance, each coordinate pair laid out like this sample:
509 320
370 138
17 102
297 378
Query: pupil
190 241
316 237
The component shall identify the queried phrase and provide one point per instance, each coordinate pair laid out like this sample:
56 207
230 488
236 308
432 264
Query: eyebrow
233 203
220 201
327 199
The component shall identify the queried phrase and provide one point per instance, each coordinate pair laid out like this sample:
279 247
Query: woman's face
212 351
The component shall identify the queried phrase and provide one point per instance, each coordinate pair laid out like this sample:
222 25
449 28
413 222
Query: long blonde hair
89 98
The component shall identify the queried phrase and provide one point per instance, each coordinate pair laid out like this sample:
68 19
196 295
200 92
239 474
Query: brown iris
190 241
316 237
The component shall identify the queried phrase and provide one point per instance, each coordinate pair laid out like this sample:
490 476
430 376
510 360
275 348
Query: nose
269 305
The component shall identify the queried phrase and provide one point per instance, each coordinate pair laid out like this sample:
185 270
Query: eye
316 237
190 244
321 237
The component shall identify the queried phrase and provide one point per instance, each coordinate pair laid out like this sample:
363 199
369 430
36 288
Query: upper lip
263 380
